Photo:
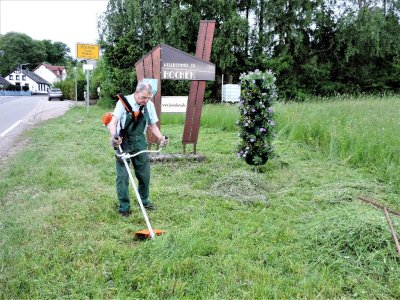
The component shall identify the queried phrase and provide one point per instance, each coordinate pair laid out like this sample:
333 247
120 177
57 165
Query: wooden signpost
168 63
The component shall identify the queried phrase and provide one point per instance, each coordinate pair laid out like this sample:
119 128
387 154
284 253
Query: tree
57 53
315 47
130 29
368 49
18 48
286 42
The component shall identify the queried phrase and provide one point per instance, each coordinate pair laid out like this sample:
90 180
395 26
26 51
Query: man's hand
116 141
164 141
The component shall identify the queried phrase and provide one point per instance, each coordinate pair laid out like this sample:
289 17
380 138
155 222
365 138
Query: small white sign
231 93
87 67
174 104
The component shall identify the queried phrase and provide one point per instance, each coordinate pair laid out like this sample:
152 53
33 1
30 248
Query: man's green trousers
134 142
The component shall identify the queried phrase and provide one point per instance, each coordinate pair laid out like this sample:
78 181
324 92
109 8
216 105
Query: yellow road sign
87 51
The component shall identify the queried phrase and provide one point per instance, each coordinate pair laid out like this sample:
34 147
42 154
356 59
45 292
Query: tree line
314 47
18 48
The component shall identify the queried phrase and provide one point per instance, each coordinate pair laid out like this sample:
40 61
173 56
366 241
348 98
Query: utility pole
76 84
87 92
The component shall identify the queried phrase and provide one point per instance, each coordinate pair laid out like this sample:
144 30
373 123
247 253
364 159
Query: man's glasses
144 97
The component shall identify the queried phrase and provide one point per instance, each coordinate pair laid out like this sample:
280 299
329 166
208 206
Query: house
3 83
28 81
51 73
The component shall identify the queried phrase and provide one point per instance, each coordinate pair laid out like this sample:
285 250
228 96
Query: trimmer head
145 233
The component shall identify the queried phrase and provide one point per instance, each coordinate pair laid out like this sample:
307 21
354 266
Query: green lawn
293 229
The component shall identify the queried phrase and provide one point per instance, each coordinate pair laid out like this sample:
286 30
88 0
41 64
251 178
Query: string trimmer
149 232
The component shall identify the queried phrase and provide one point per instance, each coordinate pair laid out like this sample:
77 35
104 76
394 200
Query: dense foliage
74 86
256 124
18 48
320 47
315 47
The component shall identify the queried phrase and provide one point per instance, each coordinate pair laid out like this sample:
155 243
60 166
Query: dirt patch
12 144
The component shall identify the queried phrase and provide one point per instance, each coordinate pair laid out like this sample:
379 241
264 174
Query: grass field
294 229
362 132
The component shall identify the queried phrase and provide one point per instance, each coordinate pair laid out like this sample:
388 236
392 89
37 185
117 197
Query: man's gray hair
144 86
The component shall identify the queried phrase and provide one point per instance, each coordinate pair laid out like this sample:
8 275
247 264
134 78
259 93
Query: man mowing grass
128 130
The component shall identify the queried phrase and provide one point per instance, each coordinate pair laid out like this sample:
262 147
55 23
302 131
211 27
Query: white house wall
34 87
64 74
45 73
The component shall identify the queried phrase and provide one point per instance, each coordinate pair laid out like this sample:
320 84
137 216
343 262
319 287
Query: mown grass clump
354 239
245 186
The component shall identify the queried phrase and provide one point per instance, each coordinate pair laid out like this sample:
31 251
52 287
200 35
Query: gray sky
67 21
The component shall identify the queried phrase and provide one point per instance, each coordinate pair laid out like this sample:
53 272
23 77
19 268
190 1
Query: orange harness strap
128 108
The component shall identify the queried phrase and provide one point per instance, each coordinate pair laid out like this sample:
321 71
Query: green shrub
256 124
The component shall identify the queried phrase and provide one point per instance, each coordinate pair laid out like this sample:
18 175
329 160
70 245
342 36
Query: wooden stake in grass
377 205
396 241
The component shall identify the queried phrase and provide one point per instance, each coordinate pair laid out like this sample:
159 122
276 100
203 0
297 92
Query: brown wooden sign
178 65
166 62
197 88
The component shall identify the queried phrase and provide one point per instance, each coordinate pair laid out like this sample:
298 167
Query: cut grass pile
295 229
241 185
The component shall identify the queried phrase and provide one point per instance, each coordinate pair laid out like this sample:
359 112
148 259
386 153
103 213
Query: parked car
55 93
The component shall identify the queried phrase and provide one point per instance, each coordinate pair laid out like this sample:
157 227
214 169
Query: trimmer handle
116 136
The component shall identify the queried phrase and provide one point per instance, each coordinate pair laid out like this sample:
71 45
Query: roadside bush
68 88
12 87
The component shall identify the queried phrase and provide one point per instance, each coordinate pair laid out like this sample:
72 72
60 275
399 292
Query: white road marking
10 128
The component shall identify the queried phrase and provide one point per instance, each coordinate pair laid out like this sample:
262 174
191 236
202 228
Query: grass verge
293 230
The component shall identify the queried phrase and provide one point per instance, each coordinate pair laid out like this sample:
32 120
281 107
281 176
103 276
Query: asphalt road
18 113
13 109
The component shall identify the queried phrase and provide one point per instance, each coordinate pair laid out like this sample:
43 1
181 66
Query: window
16 77
11 77
23 77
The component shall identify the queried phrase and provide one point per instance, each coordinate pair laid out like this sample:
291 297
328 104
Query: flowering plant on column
256 124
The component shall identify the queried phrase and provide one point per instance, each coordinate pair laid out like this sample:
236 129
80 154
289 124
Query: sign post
76 84
87 52
167 62
87 68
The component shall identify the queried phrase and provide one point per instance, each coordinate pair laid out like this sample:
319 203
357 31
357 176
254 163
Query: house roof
35 77
57 70
3 81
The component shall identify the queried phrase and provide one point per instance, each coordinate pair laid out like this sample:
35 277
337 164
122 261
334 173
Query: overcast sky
67 21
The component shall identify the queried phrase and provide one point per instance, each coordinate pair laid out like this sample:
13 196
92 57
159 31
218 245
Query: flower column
256 124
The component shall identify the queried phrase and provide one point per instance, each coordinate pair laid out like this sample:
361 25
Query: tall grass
363 132
212 116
